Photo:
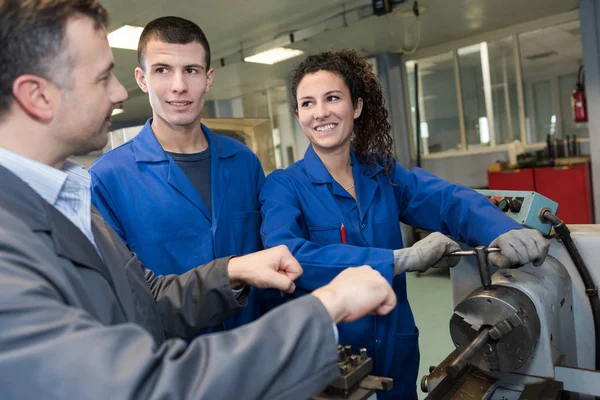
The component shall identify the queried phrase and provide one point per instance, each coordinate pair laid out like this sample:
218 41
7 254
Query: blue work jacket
152 205
303 207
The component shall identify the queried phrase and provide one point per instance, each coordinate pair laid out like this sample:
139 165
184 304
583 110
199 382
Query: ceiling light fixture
126 37
273 56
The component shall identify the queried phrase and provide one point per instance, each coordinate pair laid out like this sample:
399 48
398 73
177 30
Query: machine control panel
523 207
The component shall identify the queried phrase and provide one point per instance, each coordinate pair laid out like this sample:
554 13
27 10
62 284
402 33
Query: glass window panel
495 60
437 101
545 120
504 90
476 128
550 59
283 130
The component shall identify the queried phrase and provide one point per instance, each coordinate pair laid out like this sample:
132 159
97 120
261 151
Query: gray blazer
74 325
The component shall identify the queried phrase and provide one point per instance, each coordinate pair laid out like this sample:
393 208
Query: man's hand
356 292
274 268
519 247
425 253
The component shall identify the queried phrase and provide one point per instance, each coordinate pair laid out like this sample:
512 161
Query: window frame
452 47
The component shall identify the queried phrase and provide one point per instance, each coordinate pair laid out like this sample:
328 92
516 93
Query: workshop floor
430 296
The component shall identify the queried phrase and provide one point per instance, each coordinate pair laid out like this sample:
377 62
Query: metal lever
463 359
481 253
486 334
472 252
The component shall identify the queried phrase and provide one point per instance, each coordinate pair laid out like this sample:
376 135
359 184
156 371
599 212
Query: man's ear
209 79
37 96
140 78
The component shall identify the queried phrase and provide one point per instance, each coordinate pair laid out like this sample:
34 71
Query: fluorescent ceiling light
424 130
273 56
126 37
117 111
484 130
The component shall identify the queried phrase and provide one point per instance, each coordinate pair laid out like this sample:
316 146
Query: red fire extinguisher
578 99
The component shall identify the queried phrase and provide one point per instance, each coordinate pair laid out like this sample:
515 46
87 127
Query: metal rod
460 103
472 252
462 360
418 114
507 101
484 267
520 86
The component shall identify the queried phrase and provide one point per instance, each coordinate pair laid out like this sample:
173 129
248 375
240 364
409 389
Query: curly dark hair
372 140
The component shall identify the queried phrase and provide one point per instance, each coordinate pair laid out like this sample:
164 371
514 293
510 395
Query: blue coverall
303 207
149 201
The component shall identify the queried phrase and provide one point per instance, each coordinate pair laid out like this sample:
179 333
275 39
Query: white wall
471 170
468 170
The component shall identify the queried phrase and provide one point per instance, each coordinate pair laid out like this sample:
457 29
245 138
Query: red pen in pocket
343 233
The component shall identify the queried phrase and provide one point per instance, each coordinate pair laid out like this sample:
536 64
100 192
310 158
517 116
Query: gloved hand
519 247
425 253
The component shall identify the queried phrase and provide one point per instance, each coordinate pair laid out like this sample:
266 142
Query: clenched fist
274 268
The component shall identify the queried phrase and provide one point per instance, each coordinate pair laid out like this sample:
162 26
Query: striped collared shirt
67 189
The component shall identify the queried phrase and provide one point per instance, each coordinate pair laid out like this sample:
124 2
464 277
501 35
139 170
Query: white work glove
519 247
426 253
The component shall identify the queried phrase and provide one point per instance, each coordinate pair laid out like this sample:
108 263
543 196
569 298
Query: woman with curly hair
341 206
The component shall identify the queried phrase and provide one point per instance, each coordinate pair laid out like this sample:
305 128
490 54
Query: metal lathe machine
530 332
